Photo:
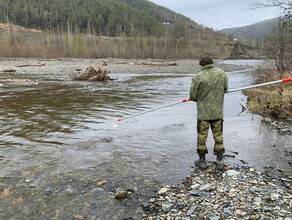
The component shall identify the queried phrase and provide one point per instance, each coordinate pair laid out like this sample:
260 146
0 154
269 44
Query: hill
255 31
104 28
103 17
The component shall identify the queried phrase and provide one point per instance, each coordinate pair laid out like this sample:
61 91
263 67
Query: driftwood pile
92 74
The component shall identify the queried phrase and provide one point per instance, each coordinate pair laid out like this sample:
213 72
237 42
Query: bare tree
282 40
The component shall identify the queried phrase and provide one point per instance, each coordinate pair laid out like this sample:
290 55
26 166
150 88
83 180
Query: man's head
205 61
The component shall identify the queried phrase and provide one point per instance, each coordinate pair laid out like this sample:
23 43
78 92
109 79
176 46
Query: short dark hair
205 61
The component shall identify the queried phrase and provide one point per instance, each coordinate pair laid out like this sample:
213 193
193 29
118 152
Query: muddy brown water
58 142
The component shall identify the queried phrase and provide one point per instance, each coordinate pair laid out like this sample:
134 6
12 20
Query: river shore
236 193
117 65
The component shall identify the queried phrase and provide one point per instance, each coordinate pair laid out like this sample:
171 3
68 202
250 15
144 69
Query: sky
219 14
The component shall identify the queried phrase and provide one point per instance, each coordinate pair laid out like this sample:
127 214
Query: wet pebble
191 210
281 126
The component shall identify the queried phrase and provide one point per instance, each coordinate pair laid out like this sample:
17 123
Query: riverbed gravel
283 127
75 66
236 193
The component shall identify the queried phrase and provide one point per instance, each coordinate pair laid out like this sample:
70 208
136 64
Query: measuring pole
188 100
260 85
153 109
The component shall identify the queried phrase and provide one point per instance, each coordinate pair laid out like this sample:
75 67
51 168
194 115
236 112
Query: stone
274 196
267 209
267 120
70 190
206 187
227 211
232 173
243 214
162 191
32 185
152 200
220 190
215 206
173 211
97 190
145 205
196 186
6 193
181 196
238 212
120 194
254 217
167 207
78 217
258 200
191 210
195 193
197 178
231 195
214 218
101 183
232 190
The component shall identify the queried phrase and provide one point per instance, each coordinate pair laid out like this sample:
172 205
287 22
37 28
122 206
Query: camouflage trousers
217 130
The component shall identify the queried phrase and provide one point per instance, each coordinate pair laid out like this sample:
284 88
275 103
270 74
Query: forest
101 17
103 28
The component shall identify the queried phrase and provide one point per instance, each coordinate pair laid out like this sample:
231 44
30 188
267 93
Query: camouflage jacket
207 89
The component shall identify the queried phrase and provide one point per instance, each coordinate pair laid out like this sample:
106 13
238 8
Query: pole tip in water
116 123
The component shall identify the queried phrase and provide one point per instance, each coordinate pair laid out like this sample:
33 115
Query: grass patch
274 100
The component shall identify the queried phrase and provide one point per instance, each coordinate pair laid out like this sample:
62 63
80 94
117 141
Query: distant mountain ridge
103 17
259 30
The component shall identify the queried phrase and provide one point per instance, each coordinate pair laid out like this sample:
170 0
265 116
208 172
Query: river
58 141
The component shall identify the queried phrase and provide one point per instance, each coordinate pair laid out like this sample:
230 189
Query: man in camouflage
208 89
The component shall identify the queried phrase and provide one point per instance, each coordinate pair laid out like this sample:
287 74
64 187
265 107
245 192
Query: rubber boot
201 163
219 162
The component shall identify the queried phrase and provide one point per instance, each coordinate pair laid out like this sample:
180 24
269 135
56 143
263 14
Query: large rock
241 51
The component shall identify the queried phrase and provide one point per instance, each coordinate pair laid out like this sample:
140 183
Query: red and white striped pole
260 85
187 100
153 109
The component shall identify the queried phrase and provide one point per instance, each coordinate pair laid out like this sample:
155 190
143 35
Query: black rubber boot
201 163
219 162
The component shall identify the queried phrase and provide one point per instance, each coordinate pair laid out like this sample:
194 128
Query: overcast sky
219 14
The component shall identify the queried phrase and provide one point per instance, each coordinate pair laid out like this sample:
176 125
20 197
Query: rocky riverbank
284 127
236 193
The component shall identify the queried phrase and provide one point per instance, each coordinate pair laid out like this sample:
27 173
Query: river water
58 141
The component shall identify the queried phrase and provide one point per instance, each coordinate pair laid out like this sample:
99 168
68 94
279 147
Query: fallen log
92 74
157 64
8 71
31 65
14 80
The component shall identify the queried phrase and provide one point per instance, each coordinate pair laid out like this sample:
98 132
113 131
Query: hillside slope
255 31
103 17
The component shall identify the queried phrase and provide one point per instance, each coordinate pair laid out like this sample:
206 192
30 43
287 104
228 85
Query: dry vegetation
274 100
19 42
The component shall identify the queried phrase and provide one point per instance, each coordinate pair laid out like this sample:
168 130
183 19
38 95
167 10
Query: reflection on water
59 134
